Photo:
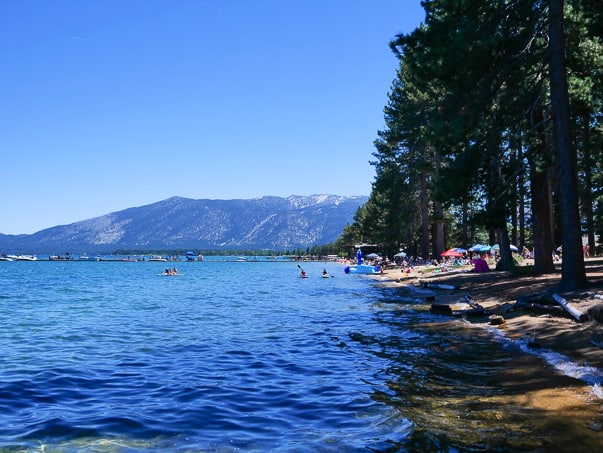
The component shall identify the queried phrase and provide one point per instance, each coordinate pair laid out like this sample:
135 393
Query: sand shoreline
575 407
548 327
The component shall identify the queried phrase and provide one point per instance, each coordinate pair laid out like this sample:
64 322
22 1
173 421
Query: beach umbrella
372 256
497 247
451 252
459 249
480 248
400 255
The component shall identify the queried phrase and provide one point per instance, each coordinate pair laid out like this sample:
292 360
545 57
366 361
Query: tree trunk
542 219
424 247
439 242
515 191
496 206
573 274
587 190
522 208
506 256
465 230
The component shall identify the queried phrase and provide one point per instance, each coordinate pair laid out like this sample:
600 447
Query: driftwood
532 305
576 314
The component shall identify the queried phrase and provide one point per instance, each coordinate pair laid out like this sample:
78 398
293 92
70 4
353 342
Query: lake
247 356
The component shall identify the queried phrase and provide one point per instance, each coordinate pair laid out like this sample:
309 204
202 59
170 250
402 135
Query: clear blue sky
111 104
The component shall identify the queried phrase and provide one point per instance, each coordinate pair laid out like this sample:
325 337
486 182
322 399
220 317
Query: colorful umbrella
452 252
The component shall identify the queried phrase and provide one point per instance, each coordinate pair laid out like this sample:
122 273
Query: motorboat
158 258
66 257
89 258
25 258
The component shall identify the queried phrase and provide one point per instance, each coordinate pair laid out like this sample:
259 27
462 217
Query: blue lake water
227 356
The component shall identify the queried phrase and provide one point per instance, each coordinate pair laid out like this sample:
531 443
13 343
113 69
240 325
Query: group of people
169 271
304 275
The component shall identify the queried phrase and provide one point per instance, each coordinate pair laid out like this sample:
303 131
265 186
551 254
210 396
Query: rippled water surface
111 356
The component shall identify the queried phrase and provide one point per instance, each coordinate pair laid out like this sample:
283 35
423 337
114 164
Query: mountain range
265 223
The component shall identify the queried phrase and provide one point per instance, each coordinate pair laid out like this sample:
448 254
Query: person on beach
480 265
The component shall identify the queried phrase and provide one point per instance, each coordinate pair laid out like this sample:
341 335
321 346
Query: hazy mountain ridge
262 223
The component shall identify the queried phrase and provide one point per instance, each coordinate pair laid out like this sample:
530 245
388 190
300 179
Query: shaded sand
571 407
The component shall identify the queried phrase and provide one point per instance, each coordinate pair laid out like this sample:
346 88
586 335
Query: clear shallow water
110 356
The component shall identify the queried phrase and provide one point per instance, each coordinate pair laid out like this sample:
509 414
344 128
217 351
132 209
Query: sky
112 104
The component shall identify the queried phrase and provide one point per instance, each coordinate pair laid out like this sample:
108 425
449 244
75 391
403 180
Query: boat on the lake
25 258
89 258
158 258
65 257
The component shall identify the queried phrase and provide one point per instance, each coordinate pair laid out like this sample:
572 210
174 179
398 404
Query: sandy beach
543 325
